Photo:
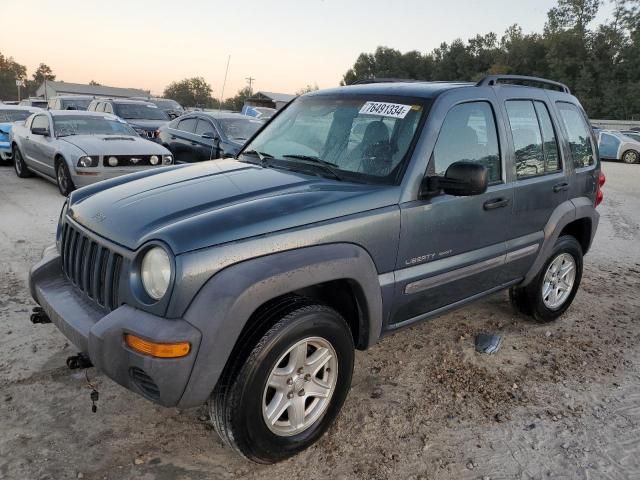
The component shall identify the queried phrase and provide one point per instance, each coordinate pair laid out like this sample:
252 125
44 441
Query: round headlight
156 272
154 159
85 162
113 162
167 159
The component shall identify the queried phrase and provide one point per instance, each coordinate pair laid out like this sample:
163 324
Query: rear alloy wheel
63 177
18 164
282 391
631 156
550 294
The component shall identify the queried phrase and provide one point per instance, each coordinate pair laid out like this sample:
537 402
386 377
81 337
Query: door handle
495 203
560 186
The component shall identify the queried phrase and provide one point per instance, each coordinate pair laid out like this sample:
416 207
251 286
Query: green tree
10 71
42 73
191 92
236 102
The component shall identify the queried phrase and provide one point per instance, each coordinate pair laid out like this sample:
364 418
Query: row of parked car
81 140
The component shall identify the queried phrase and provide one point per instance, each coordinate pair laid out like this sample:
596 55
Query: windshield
364 137
14 115
239 129
140 111
66 125
79 104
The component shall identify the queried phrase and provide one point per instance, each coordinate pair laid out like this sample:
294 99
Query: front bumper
100 334
80 178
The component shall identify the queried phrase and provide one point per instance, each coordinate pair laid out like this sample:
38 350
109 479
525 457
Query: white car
614 145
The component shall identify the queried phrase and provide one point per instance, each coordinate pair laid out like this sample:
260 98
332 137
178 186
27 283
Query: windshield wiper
326 166
262 156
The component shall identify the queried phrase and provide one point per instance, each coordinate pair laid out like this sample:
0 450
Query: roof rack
366 81
491 80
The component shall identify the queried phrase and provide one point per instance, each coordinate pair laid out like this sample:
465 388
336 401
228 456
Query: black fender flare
563 215
228 299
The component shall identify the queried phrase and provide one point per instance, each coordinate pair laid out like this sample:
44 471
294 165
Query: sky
284 44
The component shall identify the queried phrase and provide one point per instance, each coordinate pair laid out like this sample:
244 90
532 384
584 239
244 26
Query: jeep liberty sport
247 283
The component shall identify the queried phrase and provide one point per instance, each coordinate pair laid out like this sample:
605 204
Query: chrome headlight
113 161
154 160
167 160
87 162
155 271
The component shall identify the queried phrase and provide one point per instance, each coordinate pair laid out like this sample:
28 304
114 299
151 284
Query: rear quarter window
577 134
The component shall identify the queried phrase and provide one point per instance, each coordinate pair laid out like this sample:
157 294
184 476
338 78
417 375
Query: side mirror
461 179
40 131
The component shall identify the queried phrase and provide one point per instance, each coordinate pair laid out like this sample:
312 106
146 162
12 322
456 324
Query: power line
250 81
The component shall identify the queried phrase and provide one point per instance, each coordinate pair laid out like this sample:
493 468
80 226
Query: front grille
144 382
131 160
91 267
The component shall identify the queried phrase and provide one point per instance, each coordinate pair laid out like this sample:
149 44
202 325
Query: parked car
633 134
143 116
171 107
9 116
202 136
248 283
263 113
76 148
69 102
34 102
614 145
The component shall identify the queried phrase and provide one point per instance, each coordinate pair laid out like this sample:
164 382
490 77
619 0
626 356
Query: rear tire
274 400
63 178
552 291
631 156
19 165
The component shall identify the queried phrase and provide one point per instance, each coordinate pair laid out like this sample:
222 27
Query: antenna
224 83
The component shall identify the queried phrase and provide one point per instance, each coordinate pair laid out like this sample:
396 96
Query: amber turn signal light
160 350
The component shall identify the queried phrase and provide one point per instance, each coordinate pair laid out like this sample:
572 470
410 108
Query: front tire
19 165
552 291
63 178
631 156
284 394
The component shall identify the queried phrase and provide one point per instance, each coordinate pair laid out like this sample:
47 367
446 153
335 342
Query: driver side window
40 121
469 133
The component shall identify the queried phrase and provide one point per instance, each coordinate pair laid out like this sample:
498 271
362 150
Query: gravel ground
558 401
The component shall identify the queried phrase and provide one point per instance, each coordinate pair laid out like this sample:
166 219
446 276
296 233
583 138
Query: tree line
600 64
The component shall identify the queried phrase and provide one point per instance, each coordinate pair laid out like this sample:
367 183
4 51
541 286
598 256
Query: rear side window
469 133
188 125
534 140
204 127
578 134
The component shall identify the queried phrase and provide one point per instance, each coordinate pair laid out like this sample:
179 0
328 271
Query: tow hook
39 316
79 361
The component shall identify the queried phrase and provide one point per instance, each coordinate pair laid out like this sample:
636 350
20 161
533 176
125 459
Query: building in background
269 100
52 88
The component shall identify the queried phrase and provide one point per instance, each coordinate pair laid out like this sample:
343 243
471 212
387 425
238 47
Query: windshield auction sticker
383 109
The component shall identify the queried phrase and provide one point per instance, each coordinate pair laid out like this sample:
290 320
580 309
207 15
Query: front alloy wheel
300 386
63 177
284 385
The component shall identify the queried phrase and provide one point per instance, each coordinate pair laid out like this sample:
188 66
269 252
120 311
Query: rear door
452 248
541 177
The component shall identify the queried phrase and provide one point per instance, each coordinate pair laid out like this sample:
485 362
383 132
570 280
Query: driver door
39 147
452 248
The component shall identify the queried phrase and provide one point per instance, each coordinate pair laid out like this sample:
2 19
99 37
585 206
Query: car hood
214 202
115 145
146 124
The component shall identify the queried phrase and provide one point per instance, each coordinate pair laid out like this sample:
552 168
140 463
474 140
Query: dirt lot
558 401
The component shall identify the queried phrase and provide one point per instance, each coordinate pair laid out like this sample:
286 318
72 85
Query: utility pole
250 82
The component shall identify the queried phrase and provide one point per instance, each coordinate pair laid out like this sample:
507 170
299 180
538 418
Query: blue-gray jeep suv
247 283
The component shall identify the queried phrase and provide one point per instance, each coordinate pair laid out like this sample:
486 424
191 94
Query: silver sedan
79 148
